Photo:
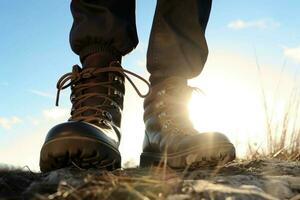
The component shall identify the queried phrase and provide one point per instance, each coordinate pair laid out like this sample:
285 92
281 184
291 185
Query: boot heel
149 160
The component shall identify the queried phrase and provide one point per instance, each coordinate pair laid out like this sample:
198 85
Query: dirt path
260 179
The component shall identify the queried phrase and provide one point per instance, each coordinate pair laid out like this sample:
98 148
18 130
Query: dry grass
111 186
283 134
154 183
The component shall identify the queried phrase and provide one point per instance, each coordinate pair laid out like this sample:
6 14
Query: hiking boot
91 137
170 137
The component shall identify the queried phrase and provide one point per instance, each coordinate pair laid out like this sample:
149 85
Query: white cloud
56 113
292 53
34 121
31 139
24 151
260 24
9 122
40 93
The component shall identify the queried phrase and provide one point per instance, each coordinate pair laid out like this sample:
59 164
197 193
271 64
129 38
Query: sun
232 112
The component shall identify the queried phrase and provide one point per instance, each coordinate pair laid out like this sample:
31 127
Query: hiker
103 32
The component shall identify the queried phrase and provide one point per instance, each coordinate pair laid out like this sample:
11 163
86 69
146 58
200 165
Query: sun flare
238 116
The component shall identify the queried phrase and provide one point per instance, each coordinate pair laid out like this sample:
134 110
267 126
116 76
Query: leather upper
83 129
166 118
97 95
97 100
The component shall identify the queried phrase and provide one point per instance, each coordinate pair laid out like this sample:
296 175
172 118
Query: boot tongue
99 60
96 61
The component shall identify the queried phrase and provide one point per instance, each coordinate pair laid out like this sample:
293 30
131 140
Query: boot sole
192 158
81 152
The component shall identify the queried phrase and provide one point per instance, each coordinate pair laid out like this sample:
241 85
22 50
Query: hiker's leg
103 25
103 31
178 51
177 43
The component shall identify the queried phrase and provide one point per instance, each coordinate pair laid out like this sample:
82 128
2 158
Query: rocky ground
258 179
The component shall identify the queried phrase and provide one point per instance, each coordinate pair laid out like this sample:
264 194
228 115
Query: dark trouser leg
103 26
177 45
103 31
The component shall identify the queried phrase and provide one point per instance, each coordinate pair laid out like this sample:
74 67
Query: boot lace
75 80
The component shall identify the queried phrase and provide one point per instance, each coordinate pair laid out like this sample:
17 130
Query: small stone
279 189
179 197
222 181
297 197
251 188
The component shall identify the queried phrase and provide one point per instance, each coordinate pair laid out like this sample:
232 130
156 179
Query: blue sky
35 52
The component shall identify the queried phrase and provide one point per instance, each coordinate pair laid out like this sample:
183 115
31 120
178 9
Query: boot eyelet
72 111
168 122
159 104
86 75
107 115
113 104
176 130
162 92
116 92
160 115
72 97
118 79
104 122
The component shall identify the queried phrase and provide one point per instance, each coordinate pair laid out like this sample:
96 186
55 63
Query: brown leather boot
170 137
92 135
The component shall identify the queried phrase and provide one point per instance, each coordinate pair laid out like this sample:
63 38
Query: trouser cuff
98 48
